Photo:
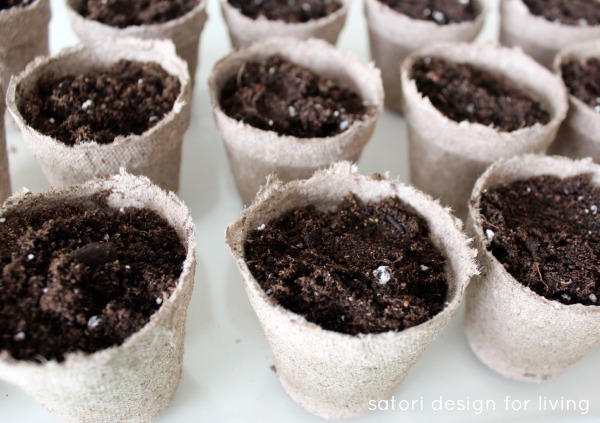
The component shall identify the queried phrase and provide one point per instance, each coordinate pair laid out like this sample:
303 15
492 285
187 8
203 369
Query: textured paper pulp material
446 157
393 36
19 45
135 381
538 37
514 331
4 174
155 153
579 135
255 153
184 31
244 31
334 375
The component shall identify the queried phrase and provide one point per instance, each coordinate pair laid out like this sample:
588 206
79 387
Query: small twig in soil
537 267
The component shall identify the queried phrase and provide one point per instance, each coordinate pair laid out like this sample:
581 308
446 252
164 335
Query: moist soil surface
582 78
364 268
544 231
82 276
277 95
9 4
569 12
127 98
465 93
292 11
441 12
124 13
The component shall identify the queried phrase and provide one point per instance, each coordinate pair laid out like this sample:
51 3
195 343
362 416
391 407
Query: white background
227 376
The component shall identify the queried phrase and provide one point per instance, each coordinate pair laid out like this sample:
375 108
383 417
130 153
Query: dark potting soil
9 4
291 11
127 98
441 12
275 94
582 78
364 268
82 276
544 231
568 12
465 93
124 13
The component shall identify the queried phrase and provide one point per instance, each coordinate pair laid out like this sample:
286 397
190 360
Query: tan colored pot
156 153
4 173
244 31
538 37
330 374
393 36
184 31
135 381
19 45
514 331
446 157
255 153
579 135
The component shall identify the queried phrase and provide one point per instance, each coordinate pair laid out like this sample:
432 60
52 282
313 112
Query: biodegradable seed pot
394 35
541 37
448 146
336 373
184 31
245 30
19 44
533 311
254 153
579 136
4 174
82 376
154 152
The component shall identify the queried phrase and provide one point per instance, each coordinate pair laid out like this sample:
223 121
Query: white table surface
227 375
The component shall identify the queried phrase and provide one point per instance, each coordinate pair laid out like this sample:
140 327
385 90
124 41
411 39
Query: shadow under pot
290 107
249 21
542 27
91 110
180 21
534 310
467 105
96 283
579 135
398 28
351 278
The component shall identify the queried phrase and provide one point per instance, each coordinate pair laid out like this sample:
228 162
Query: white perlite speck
87 104
261 227
94 321
30 257
383 274
2 219
437 16
593 298
20 336
489 234
594 209
424 268
159 301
